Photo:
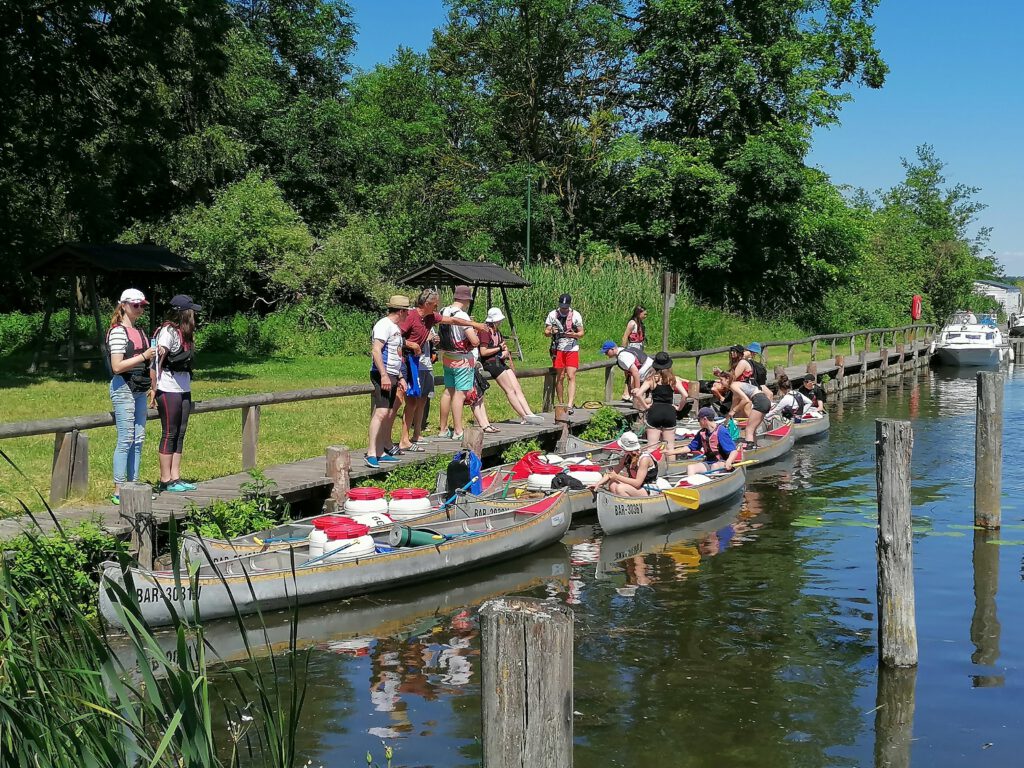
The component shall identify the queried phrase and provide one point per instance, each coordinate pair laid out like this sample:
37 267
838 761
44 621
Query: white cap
134 295
629 441
494 315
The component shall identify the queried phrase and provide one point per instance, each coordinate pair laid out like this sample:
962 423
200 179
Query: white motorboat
966 343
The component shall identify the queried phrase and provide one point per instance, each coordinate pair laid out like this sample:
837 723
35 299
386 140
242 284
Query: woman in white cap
131 385
494 357
637 469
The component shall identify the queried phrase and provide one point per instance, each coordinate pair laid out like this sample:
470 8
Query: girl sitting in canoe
635 472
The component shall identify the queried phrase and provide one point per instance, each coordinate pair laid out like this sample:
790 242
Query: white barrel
360 547
317 541
373 519
552 458
366 506
540 482
405 509
587 478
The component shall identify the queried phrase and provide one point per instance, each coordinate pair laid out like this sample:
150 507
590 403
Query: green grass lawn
287 432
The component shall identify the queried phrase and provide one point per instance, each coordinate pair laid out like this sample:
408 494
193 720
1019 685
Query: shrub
257 510
605 424
518 449
422 475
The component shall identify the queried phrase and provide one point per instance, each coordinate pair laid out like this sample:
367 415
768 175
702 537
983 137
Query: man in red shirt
416 330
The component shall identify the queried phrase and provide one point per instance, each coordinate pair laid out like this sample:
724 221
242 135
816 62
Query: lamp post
529 188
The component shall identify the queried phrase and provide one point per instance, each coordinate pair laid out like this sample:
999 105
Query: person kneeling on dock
714 442
637 365
636 471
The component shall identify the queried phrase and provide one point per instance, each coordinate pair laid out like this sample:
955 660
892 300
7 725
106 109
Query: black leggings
174 408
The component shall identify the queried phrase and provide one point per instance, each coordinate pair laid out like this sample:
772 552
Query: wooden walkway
306 479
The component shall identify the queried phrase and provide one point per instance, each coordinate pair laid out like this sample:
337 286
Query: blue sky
955 82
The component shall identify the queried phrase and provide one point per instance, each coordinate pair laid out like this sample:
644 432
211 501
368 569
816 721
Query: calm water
746 637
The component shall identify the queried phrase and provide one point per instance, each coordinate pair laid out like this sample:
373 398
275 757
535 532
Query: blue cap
754 347
607 345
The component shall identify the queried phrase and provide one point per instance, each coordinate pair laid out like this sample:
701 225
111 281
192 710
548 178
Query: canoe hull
811 427
622 513
268 581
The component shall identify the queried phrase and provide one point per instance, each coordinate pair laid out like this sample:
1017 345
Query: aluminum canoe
621 513
272 580
809 427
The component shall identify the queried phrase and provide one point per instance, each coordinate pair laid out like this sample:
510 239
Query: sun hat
494 315
133 295
754 347
398 301
662 361
183 301
608 345
628 441
706 412
564 300
463 293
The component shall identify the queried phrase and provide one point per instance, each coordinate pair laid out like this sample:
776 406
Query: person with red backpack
175 351
131 385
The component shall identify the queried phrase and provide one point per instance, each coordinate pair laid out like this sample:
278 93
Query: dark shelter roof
114 257
452 272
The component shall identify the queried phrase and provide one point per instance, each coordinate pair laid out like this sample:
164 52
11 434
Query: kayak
621 513
271 580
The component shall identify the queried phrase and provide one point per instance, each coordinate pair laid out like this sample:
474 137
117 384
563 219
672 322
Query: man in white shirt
565 328
636 363
386 377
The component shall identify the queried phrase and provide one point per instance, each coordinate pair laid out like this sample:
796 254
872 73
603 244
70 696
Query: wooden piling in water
988 450
338 469
137 508
527 663
473 440
897 630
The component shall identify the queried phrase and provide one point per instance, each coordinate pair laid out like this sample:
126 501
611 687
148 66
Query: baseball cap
736 348
182 302
608 345
133 295
706 413
629 441
754 347
463 293
494 315
564 300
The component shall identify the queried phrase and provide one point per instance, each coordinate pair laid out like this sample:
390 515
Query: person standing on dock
458 361
131 386
564 326
175 349
386 378
633 338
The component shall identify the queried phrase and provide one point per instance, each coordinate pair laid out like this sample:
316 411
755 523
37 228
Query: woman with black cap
662 415
175 349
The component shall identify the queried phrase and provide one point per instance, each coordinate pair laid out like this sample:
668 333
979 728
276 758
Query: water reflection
985 628
894 717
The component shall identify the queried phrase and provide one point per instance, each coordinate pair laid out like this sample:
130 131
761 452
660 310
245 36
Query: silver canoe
805 427
272 580
621 513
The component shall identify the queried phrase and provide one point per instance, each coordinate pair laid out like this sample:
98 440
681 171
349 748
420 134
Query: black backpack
565 480
760 373
458 474
802 401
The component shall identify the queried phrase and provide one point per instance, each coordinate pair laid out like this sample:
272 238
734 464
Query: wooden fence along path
308 478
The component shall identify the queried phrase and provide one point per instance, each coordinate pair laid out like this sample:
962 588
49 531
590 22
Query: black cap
737 349
564 300
810 378
182 302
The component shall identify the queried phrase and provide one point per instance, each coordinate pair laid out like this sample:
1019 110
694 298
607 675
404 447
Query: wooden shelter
476 274
143 266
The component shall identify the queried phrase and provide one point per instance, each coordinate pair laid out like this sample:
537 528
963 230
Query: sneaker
188 486
115 500
458 436
446 435
371 462
177 487
386 459
160 487
534 418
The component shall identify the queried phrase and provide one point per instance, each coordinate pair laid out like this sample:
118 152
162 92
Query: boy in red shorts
565 328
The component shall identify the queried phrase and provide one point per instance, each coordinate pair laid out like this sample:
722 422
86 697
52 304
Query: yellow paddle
688 497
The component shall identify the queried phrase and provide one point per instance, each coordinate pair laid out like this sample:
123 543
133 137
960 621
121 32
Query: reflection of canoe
809 426
621 513
363 618
272 580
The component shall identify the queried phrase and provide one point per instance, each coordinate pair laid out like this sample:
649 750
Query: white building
1008 296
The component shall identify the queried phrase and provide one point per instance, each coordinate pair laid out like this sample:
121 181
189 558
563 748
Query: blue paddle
461 490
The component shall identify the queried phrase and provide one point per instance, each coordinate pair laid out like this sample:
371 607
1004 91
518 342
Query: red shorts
566 359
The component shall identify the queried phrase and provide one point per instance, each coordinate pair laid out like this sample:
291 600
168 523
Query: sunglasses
136 304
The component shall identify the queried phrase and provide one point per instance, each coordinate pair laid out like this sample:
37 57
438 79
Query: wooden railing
71 445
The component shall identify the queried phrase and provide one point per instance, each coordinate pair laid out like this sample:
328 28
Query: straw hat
398 302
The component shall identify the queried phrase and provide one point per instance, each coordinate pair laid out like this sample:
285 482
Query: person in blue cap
636 364
714 442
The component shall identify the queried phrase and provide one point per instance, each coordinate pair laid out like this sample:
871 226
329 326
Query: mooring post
69 475
527 664
339 469
250 436
988 450
897 630
549 390
473 440
562 419
137 509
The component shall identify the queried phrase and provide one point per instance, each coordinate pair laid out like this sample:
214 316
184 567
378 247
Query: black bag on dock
458 473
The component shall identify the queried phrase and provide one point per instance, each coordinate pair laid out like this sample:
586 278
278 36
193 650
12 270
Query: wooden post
473 440
250 435
840 371
897 631
137 509
885 361
609 382
339 469
549 390
812 368
864 365
900 352
867 342
698 368
894 716
69 474
814 349
526 679
988 450
511 325
562 418
833 353
789 356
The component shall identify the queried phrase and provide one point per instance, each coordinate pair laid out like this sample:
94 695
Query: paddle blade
686 497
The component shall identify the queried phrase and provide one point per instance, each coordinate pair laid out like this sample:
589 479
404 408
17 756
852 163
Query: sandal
415 448
491 429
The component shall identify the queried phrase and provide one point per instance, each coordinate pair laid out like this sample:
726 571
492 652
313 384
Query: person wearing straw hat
636 471
495 359
386 378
